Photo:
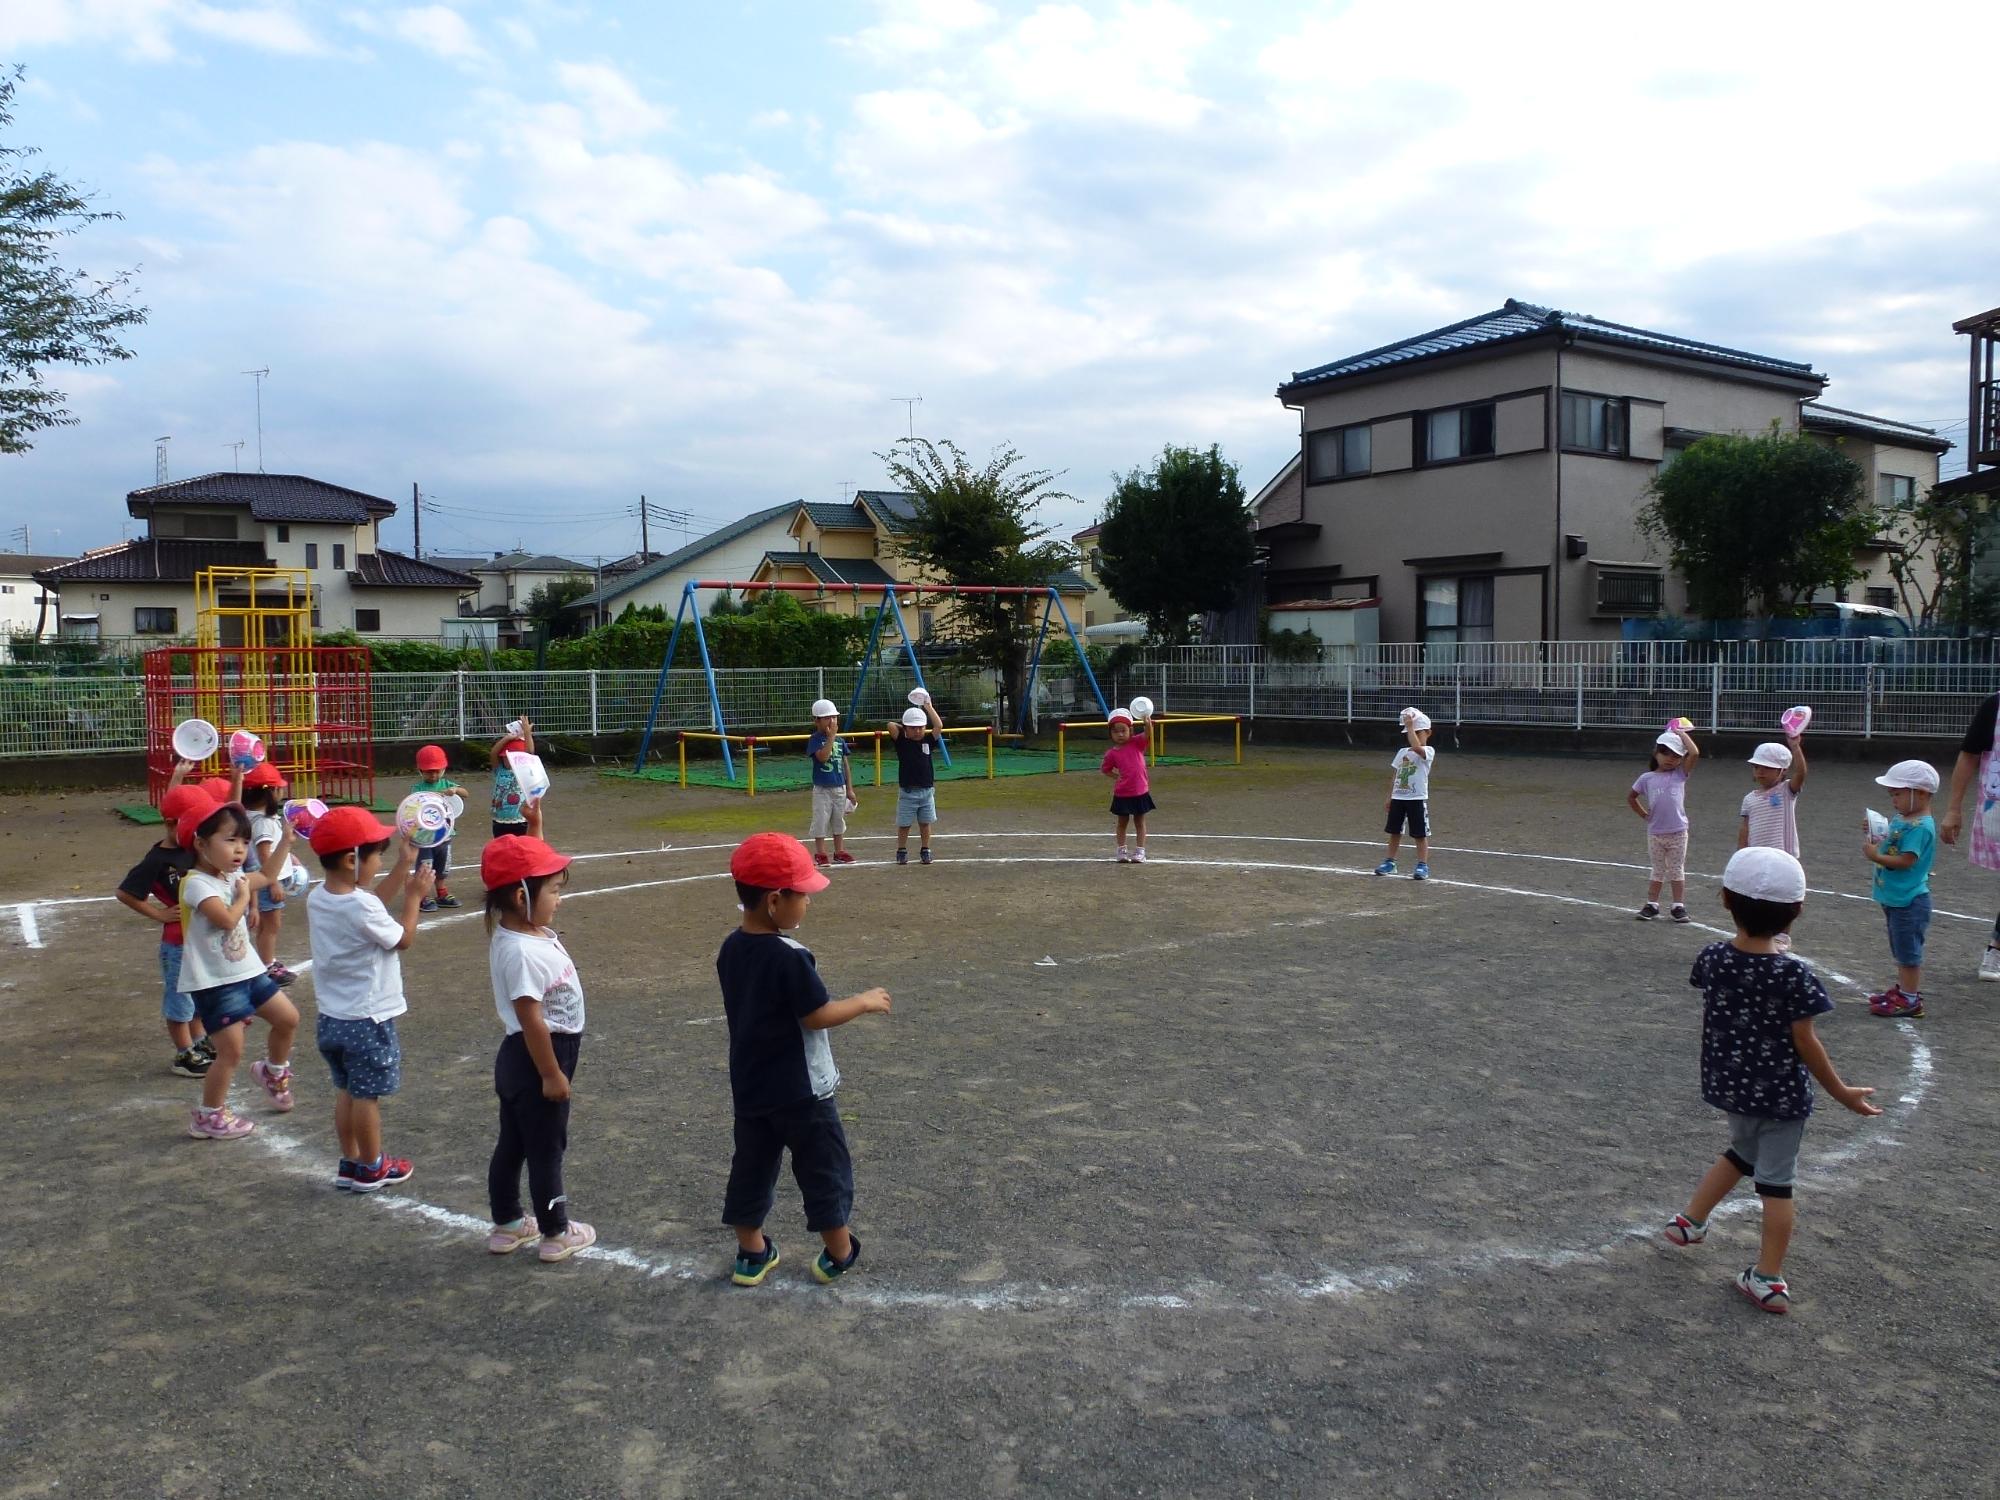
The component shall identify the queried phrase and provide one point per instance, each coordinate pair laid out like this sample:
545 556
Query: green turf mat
789 773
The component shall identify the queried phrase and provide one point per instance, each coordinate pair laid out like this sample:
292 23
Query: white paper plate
196 739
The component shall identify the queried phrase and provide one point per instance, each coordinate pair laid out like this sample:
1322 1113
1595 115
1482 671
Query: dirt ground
1244 1172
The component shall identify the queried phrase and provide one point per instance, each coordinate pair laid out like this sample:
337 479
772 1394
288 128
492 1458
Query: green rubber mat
789 773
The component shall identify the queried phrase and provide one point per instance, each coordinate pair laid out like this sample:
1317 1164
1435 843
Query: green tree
1175 539
978 525
1936 568
548 603
1759 523
49 314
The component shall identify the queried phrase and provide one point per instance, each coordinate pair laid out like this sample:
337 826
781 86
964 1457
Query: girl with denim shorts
264 799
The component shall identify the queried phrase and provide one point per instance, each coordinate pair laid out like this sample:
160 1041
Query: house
145 587
1980 483
1482 479
729 552
1099 608
1900 465
27 608
508 580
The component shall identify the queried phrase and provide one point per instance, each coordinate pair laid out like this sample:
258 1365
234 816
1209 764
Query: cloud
148 29
914 29
436 29
612 102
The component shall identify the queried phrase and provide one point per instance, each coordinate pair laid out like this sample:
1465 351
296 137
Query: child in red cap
781 1073
513 813
263 798
152 889
431 764
540 1001
358 983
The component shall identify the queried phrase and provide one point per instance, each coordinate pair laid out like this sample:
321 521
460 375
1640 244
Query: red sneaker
389 1171
842 857
820 859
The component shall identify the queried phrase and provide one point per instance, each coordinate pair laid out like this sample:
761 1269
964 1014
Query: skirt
1133 807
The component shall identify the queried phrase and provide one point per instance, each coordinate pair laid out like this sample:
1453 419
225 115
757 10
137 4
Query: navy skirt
1132 807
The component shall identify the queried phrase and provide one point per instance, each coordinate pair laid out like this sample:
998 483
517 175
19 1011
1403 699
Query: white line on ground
31 930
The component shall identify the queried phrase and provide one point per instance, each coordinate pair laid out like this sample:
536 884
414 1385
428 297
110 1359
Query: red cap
514 857
220 789
184 799
191 821
521 745
432 758
345 828
263 774
775 862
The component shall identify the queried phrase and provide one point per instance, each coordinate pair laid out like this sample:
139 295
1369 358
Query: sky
541 257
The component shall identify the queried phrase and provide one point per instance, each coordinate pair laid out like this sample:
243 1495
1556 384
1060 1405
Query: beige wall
736 559
18 610
1876 460
115 611
414 612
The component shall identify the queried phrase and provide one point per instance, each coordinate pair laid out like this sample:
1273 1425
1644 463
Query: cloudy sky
541 257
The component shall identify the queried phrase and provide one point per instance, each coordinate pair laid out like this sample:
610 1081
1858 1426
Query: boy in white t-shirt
358 983
1409 803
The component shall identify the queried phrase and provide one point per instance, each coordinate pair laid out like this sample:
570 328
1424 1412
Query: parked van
1868 620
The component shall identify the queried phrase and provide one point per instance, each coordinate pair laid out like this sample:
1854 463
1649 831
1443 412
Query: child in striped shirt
1770 813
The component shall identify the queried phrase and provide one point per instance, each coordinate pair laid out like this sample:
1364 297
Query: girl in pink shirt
1130 801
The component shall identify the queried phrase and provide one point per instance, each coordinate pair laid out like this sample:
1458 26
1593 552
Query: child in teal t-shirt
1903 858
431 777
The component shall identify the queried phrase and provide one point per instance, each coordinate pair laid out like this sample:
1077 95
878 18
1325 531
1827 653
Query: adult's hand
1948 828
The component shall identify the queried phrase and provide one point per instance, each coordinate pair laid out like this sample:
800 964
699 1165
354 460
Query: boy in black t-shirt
152 889
781 1073
916 739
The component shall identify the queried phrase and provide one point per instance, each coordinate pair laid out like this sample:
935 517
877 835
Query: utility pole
644 545
417 519
261 376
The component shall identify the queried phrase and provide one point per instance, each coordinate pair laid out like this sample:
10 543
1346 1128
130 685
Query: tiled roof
270 497
1090 530
1816 416
1525 320
830 517
832 571
155 560
690 553
21 564
1069 581
397 570
453 561
897 508
531 562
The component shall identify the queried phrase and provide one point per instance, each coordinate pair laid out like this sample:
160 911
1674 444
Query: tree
49 314
1936 567
1175 539
978 526
548 603
1759 523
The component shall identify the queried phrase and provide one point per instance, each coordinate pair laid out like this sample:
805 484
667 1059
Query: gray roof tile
1817 416
155 560
270 497
693 551
396 570
832 571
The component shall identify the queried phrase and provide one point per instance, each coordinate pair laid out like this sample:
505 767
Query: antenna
910 405
160 459
261 376
846 490
235 454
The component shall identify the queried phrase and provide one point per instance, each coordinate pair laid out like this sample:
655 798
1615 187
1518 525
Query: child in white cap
832 783
1660 797
1759 1055
1409 801
916 736
1770 811
1903 859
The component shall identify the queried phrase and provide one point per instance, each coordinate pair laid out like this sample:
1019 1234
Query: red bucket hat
220 789
184 799
191 821
432 758
345 828
514 857
775 862
263 774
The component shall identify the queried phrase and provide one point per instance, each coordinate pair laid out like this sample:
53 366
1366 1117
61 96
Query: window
312 554
284 533
339 555
368 620
1089 618
155 621
1456 610
1337 453
1458 432
1636 591
926 623
316 621
1881 598
1595 424
1896 489
6 588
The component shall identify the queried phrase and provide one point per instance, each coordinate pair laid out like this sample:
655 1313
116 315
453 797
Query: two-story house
508 580
1899 464
28 610
146 586
1099 608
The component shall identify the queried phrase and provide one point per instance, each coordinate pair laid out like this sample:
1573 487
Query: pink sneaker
505 1241
217 1125
276 1083
1895 1001
562 1246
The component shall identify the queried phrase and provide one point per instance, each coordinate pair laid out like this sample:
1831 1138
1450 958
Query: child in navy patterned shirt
1757 1049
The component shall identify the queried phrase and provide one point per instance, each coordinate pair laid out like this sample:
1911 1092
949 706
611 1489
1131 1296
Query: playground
1241 1172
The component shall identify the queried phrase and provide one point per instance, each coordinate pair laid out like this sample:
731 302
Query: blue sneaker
1387 867
1421 872
750 1269
827 1270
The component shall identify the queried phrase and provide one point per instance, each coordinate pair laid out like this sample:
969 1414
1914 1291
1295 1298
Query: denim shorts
227 1004
176 1004
364 1057
438 857
267 899
1907 925
916 805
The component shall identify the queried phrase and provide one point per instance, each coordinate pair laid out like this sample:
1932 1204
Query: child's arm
840 1012
498 755
535 1033
532 811
1693 753
847 771
825 752
1798 749
152 911
390 887
226 914
1813 1054
415 893
267 857
1632 801
235 783
1902 859
182 770
528 733
1743 832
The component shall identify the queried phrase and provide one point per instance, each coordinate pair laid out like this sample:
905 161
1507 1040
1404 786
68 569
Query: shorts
228 1004
267 900
916 805
1133 807
1907 926
829 817
176 1004
1411 815
510 830
438 857
1670 853
1767 1151
364 1057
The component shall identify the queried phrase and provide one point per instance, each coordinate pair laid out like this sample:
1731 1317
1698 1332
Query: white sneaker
1124 857
1139 856
1989 964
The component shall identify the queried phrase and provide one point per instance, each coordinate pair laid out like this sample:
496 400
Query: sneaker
206 1048
1138 856
827 1270
1685 1231
1124 855
280 975
1649 912
842 857
276 1083
217 1125
821 860
562 1246
1421 872
446 899
1895 1001
1680 914
505 1240
1387 867
902 856
190 1063
343 1176
427 904
1768 1292
923 856
389 1171
751 1269
1989 964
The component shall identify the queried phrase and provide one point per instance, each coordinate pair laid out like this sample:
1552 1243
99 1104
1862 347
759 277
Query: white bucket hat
1772 754
1415 718
914 717
1914 774
1118 714
825 708
1671 741
1765 874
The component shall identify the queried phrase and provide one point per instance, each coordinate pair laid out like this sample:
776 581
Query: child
1770 813
540 1001
781 1072
1130 798
223 973
1409 804
152 889
915 738
1757 1048
832 783
1903 861
431 762
264 800
511 814
1659 796
358 983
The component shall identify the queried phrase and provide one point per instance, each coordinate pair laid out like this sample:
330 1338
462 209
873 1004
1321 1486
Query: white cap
825 708
1915 774
1772 754
1415 718
1765 874
914 717
1672 742
1119 713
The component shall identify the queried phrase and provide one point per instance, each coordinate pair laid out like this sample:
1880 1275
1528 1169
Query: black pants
532 1130
811 1131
